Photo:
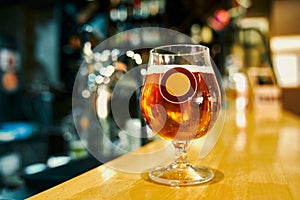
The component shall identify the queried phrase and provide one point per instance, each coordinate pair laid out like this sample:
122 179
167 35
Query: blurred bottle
38 98
10 97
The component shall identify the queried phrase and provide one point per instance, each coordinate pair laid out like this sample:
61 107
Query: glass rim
203 50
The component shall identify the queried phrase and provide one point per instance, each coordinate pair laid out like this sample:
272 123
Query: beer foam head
160 69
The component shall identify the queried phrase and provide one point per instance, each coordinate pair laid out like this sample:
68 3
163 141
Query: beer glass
180 102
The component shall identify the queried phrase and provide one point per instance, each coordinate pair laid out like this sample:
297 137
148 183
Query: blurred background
254 43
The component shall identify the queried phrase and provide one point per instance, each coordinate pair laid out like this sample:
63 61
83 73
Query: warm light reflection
241 120
241 103
241 83
240 141
106 173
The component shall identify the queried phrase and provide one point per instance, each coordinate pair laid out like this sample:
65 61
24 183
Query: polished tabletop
257 156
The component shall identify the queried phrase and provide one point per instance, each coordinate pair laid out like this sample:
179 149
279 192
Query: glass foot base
174 175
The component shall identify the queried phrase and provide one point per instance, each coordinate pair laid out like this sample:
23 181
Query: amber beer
177 103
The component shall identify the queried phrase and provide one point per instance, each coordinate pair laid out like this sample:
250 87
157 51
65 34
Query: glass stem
181 160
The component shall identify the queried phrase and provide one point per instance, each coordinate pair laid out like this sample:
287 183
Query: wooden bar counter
257 156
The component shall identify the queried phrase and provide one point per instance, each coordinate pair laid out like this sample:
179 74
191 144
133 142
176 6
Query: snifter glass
180 102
